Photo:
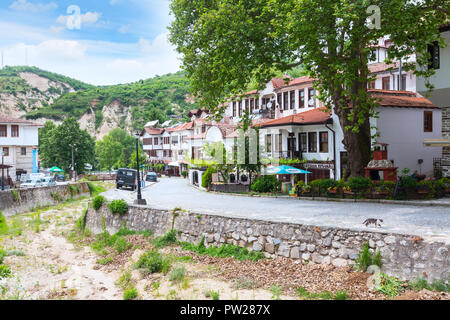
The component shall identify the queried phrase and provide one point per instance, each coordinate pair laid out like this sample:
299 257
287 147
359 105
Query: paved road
168 193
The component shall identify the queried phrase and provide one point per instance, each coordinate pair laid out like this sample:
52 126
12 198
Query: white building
440 96
19 143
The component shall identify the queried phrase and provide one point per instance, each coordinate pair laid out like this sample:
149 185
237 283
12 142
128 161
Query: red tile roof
5 119
381 67
154 131
401 99
315 116
278 83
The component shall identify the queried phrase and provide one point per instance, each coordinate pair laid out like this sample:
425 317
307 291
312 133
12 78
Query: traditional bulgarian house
19 141
440 96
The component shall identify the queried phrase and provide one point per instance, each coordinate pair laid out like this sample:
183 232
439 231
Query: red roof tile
315 116
401 99
4 119
154 131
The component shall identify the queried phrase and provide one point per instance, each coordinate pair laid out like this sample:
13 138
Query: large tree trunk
358 146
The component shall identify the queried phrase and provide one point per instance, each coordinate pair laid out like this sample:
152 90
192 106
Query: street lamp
139 199
73 164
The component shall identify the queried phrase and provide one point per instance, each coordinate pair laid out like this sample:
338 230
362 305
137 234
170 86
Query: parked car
48 182
151 177
60 178
126 178
31 184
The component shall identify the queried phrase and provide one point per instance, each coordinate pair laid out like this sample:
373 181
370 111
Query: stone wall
446 135
403 255
230 187
27 199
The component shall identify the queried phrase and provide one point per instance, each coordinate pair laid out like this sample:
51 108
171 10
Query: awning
174 164
436 143
285 170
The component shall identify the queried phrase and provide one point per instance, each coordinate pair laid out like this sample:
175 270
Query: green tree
115 149
47 149
142 159
228 44
58 141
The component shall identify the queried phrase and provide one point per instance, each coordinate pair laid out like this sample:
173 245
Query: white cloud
98 62
24 5
88 18
124 29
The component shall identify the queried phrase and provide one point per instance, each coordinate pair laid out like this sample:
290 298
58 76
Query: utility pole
3 169
139 199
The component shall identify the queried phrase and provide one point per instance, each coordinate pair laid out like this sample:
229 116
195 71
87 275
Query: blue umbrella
287 170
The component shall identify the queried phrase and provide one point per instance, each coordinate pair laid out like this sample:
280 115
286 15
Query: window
303 139
14 131
6 151
240 108
312 142
252 105
257 103
292 96
301 102
386 83
23 151
285 101
3 131
428 121
403 85
269 143
323 142
234 108
175 140
371 85
203 129
279 99
311 94
435 59
278 142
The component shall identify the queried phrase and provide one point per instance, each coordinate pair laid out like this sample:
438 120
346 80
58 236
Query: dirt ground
49 260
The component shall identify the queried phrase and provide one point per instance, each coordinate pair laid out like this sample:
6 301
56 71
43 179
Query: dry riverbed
51 259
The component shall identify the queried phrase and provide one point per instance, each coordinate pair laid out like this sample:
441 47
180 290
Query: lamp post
3 169
139 199
73 164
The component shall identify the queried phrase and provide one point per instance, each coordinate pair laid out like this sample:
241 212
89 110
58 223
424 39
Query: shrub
81 222
215 295
207 177
185 174
266 184
15 195
327 183
154 262
177 274
365 259
408 183
97 202
121 245
359 184
169 238
2 255
130 294
3 224
94 189
390 286
118 207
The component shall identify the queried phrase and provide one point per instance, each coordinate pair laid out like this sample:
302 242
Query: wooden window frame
3 131
14 131
23 151
311 96
312 137
303 147
234 109
292 99
321 142
403 82
428 121
5 151
301 98
386 80
286 100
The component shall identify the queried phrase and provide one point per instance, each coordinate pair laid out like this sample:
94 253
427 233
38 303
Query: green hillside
159 98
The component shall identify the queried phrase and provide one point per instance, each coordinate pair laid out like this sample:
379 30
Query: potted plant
423 187
347 190
332 190
306 190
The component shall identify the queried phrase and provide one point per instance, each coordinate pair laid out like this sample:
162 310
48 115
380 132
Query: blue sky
108 42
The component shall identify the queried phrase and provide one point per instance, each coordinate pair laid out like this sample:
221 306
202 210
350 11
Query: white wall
402 129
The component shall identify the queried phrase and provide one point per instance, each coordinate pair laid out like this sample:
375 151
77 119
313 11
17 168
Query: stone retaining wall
404 256
229 188
27 199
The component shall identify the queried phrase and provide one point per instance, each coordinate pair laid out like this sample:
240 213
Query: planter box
447 190
423 191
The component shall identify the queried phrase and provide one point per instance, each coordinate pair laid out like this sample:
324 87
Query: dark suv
126 178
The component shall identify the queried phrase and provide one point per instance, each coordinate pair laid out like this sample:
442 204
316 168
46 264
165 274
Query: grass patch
105 261
276 292
390 286
126 232
224 251
422 283
130 294
95 189
121 245
326 295
5 272
244 283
